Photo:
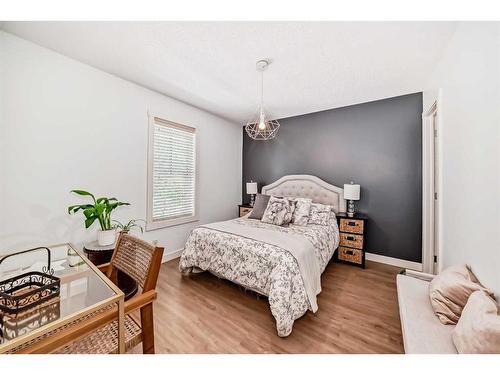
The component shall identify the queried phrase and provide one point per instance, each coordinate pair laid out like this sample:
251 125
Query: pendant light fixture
261 128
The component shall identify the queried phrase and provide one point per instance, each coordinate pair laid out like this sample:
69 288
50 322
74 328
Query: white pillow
320 214
301 213
279 211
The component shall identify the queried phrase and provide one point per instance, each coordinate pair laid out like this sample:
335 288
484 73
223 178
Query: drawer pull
350 238
351 223
349 252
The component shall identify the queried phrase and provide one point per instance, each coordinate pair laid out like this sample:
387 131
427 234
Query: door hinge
435 195
435 133
435 258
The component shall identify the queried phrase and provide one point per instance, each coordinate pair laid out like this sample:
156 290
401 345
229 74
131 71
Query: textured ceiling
211 65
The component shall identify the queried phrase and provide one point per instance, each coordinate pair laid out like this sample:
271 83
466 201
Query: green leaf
100 207
90 221
117 224
76 208
84 193
89 212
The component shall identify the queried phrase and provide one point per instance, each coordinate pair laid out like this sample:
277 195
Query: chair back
138 259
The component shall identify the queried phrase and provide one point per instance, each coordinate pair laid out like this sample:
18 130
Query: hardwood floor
358 313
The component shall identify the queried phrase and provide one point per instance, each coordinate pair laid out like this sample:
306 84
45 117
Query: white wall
66 125
466 81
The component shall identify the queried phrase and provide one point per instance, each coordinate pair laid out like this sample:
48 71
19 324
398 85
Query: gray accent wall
376 144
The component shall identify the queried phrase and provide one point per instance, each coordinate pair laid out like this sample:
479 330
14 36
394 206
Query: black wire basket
23 292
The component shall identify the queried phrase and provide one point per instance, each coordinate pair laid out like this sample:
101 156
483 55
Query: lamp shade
351 191
251 188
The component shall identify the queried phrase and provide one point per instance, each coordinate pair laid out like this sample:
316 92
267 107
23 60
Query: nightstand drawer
350 255
351 225
351 240
244 211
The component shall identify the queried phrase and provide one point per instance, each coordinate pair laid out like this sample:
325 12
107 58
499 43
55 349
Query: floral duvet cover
262 267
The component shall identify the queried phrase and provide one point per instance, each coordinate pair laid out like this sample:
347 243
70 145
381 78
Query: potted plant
125 228
100 210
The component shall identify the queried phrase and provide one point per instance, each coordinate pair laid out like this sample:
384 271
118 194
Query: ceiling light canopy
261 128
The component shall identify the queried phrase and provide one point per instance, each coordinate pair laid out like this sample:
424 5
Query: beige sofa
423 333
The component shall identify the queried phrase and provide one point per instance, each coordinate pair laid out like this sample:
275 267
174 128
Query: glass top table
84 290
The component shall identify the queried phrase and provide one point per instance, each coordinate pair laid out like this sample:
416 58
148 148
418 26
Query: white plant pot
105 237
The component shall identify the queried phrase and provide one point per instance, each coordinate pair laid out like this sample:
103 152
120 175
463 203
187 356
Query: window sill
160 224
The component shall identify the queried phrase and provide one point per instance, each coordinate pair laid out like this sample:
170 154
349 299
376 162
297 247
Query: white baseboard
394 261
172 255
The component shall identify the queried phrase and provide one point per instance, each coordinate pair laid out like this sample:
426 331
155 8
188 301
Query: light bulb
262 120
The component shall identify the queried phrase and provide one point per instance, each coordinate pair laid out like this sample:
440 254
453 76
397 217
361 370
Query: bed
258 257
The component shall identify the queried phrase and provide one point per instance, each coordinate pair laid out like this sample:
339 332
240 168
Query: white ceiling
211 65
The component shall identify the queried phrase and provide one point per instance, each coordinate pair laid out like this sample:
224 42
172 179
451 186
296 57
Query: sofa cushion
478 330
450 290
423 333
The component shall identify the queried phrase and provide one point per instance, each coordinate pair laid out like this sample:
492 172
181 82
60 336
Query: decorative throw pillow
293 206
301 213
278 211
478 329
259 206
319 214
450 290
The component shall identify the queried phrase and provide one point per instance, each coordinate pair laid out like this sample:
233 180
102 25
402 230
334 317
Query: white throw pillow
279 211
320 214
301 213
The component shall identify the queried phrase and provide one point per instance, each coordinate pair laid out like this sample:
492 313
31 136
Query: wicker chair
141 261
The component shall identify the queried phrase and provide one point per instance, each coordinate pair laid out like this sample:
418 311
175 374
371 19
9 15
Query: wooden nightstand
244 209
352 239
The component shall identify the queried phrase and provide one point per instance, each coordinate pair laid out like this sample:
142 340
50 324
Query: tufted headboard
306 186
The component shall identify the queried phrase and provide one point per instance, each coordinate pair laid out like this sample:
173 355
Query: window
172 174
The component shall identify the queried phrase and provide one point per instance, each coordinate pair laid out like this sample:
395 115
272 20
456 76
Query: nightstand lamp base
350 208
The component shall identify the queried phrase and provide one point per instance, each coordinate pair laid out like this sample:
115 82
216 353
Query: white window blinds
173 171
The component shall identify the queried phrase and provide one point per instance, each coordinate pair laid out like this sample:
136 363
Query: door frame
431 129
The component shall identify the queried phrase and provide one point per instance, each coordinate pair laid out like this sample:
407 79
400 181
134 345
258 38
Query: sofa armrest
419 275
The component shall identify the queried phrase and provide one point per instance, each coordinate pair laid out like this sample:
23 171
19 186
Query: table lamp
351 192
252 190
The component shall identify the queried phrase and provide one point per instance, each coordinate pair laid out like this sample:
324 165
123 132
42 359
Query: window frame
165 223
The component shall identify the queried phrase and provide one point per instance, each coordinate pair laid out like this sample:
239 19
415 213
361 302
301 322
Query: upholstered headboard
306 186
